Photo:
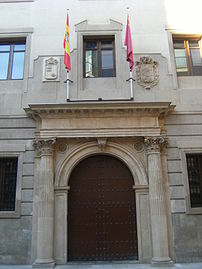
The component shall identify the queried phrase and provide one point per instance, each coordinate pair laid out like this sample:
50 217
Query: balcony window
99 57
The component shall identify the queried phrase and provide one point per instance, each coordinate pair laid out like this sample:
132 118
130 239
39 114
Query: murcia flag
128 43
66 46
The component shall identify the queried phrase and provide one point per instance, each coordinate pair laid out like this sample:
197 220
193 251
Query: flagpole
131 85
67 85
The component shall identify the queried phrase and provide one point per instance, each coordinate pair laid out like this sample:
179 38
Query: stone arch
66 166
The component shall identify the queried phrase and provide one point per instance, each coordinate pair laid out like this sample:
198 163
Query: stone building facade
78 161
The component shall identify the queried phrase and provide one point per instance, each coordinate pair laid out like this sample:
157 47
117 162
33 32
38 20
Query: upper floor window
8 178
188 55
12 55
194 167
99 57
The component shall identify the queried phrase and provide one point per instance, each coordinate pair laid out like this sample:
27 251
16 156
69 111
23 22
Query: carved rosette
146 71
44 146
155 144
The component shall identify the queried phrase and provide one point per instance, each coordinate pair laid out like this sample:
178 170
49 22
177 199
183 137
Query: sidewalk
110 266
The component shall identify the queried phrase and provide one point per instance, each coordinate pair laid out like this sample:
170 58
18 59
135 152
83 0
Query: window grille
194 167
8 177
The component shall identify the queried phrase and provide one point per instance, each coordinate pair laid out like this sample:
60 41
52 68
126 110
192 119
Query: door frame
141 188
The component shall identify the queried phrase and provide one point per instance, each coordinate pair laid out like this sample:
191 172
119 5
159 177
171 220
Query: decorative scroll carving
155 144
146 71
44 146
51 69
102 141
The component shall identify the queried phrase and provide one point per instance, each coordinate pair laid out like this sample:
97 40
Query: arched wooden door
101 211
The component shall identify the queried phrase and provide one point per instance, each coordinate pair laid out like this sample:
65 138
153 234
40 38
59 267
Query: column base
162 262
43 263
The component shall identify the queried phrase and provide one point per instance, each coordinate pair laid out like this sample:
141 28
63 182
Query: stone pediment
98 119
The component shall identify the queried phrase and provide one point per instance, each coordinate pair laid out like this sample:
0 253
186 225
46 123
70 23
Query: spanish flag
66 46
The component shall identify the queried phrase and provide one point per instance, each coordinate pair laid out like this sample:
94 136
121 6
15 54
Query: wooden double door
101 211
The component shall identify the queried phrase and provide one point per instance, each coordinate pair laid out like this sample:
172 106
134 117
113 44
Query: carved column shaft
45 207
35 198
157 202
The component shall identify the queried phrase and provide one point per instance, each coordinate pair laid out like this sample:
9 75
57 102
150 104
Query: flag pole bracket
129 79
68 80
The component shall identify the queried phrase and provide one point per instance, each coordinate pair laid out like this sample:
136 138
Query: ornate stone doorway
102 212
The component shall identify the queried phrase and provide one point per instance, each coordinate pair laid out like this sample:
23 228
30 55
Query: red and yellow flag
66 46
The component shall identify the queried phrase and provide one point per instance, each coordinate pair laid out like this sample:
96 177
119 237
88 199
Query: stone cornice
81 108
99 119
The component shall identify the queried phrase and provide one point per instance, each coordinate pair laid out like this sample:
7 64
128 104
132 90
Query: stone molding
112 119
155 144
72 158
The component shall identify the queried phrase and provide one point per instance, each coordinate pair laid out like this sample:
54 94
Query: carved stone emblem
146 70
51 69
102 142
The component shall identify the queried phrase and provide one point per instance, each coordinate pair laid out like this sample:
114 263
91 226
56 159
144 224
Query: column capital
154 144
44 146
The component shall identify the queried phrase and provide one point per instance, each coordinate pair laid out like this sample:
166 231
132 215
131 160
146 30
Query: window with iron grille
99 57
8 178
188 55
194 167
12 57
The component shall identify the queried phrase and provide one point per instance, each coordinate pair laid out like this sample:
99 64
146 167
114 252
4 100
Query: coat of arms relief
147 73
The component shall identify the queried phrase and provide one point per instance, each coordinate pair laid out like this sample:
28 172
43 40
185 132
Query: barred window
194 167
8 178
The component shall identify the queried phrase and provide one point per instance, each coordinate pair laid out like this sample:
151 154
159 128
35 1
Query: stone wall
184 132
16 134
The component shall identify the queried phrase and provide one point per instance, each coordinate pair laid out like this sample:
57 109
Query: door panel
101 213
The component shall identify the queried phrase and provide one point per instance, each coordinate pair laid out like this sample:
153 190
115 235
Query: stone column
159 226
35 198
45 227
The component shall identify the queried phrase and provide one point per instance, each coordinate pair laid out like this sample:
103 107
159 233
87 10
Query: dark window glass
91 45
107 63
194 167
8 178
188 57
99 57
12 56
